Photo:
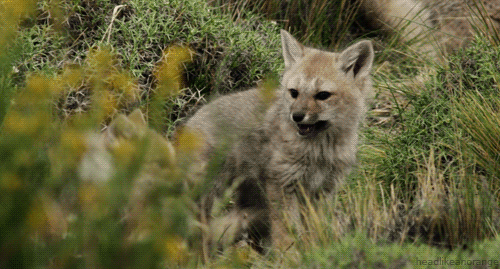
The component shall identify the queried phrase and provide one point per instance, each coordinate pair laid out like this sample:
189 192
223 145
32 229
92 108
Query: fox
437 27
303 140
411 18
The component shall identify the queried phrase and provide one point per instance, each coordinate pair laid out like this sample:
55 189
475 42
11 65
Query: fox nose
298 117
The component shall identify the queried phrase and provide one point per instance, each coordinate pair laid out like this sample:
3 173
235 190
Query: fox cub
304 138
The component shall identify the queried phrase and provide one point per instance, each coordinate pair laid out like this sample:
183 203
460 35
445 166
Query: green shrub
227 55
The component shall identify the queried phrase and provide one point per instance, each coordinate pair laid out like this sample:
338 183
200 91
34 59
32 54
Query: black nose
298 117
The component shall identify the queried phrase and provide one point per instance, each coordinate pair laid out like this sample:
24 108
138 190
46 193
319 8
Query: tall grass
477 109
437 161
326 23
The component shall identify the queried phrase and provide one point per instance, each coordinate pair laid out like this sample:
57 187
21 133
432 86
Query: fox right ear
358 58
292 49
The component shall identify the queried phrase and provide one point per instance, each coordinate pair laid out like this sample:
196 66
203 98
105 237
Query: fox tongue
305 128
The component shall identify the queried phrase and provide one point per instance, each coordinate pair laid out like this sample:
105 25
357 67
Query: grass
428 160
425 190
324 23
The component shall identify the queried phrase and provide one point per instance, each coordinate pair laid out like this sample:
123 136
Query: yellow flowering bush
74 195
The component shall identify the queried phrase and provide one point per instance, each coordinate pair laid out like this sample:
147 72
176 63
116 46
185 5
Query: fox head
325 90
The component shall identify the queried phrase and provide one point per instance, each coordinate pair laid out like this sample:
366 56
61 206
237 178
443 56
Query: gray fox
305 136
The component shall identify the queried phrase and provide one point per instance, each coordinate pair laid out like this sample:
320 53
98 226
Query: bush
72 197
227 55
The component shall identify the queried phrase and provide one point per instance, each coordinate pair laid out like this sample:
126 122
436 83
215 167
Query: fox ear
358 58
292 49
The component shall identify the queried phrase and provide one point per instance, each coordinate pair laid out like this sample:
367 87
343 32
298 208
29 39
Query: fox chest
288 172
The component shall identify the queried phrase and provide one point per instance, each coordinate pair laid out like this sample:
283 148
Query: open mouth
308 129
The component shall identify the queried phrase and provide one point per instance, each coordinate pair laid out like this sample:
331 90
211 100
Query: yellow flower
101 62
188 141
73 142
10 13
93 200
16 8
72 78
123 151
122 83
176 249
28 125
39 87
109 104
170 69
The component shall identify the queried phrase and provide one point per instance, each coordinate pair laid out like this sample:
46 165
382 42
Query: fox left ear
292 49
358 58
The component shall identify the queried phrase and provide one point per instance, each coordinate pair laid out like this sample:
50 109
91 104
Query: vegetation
84 186
337 21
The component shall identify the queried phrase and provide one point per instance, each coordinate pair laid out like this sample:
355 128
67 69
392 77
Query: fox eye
294 93
322 95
